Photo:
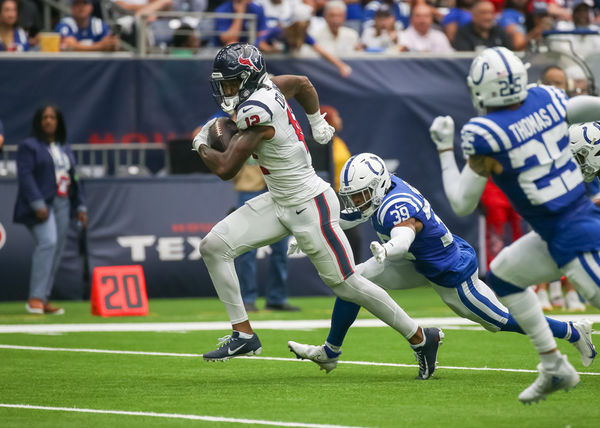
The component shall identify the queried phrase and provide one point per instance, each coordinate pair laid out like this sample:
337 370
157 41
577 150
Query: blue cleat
234 346
426 354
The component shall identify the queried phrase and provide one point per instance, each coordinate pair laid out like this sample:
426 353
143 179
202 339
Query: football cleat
561 376
321 355
584 345
234 346
426 354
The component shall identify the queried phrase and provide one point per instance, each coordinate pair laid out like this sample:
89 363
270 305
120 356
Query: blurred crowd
331 29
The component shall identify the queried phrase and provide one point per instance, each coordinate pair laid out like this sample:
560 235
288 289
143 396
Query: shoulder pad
257 110
397 208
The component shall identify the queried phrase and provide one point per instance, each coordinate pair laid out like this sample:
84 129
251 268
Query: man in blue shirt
235 30
84 32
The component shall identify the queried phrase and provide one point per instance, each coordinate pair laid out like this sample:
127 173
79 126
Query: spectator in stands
185 42
457 17
513 20
289 37
277 12
49 191
482 32
555 76
581 44
334 37
84 32
420 37
132 8
400 9
382 36
12 37
30 19
231 30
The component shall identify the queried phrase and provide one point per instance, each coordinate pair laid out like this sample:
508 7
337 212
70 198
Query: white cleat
325 358
573 303
542 296
561 376
584 345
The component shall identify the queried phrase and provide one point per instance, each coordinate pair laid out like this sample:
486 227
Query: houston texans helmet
242 62
364 174
584 141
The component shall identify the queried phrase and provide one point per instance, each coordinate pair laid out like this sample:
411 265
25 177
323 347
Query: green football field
78 370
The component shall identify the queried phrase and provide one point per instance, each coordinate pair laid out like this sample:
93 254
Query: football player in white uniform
522 143
298 201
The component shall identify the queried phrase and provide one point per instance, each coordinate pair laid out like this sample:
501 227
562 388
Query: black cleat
234 346
426 354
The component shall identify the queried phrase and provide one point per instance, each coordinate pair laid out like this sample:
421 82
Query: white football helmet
584 141
366 175
497 78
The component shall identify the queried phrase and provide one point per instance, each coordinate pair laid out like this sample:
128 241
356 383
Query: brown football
220 133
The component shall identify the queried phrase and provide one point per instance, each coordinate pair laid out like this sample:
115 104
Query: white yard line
175 416
221 325
294 360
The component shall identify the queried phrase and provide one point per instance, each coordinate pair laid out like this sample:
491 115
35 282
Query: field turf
373 386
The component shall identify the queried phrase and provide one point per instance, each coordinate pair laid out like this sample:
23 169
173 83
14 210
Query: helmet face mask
584 141
240 62
497 78
364 181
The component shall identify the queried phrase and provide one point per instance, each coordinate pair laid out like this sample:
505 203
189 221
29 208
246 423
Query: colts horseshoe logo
484 66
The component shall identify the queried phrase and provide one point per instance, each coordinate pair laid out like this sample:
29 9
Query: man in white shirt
334 37
420 36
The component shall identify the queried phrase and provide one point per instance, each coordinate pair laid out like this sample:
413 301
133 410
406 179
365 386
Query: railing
99 160
143 28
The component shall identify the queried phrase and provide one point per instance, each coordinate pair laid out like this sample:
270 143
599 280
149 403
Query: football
220 133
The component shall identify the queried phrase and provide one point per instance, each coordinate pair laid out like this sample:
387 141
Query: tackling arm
401 238
228 163
583 108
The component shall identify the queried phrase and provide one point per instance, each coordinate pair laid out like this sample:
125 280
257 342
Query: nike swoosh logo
233 351
244 110
301 211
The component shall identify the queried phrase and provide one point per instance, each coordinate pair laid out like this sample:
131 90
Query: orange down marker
119 291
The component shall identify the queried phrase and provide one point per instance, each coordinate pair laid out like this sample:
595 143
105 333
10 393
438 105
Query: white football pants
315 225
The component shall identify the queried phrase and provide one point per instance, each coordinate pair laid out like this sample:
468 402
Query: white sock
550 360
245 335
333 347
555 289
527 311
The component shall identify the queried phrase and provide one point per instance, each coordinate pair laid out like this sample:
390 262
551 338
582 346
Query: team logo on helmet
377 163
249 63
484 66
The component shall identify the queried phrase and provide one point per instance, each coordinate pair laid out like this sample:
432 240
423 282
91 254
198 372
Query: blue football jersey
540 176
440 256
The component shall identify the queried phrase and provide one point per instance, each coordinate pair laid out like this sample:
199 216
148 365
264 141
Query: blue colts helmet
242 62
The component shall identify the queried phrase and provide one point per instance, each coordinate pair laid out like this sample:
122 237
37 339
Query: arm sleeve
463 189
583 108
400 241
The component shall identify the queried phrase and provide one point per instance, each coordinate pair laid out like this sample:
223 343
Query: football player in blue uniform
522 142
417 250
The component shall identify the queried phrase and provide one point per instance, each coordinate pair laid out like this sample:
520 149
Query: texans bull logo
250 63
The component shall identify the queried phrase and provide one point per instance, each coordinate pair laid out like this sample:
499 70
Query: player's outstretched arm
463 189
228 163
301 88
401 238
583 108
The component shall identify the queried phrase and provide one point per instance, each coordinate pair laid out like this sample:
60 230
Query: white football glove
202 136
378 251
442 132
293 247
321 130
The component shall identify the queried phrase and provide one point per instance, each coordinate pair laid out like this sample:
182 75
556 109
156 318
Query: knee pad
501 287
213 246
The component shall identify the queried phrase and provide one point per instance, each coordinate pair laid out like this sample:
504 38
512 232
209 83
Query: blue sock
559 329
344 314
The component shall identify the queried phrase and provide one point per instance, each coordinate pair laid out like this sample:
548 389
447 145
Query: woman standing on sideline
49 192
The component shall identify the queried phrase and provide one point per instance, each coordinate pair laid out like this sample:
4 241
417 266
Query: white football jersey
284 159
